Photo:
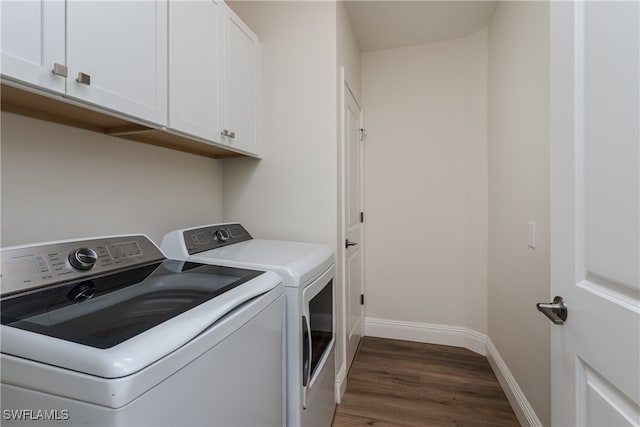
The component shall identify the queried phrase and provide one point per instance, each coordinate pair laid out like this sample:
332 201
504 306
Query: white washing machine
307 271
108 332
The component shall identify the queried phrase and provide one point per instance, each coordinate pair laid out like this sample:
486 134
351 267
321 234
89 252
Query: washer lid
131 319
297 263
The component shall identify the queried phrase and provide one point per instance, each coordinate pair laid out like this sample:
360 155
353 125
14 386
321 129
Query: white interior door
353 224
595 212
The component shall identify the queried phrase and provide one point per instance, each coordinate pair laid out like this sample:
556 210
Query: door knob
348 243
555 311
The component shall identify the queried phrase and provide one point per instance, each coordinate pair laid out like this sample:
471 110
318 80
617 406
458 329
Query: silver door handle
555 311
83 78
59 70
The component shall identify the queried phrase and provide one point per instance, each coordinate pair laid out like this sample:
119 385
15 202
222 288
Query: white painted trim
341 382
428 333
521 406
459 337
344 93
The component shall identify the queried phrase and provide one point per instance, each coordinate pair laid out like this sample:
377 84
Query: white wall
476 124
294 192
347 50
518 193
60 182
291 194
426 182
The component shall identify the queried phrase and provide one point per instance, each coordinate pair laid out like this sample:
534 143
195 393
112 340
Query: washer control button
83 258
222 235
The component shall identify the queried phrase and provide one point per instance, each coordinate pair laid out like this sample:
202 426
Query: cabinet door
32 42
194 67
122 47
241 80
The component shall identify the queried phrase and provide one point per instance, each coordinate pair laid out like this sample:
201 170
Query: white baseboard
521 406
458 336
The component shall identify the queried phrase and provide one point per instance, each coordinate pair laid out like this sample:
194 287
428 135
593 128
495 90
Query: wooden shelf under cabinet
56 109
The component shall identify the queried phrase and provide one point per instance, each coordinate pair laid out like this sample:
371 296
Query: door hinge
361 299
362 132
361 216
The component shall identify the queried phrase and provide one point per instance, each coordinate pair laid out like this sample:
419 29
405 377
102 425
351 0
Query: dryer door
318 329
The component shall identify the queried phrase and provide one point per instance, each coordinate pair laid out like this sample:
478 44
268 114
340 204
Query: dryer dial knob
222 235
83 258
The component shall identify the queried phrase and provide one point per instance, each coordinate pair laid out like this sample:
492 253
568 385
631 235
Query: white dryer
107 331
308 272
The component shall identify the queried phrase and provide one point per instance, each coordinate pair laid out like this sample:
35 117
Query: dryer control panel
214 236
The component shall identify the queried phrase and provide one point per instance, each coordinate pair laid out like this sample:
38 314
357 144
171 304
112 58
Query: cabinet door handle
59 70
228 134
84 79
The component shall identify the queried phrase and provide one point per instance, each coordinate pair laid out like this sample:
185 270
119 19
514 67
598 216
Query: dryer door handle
306 352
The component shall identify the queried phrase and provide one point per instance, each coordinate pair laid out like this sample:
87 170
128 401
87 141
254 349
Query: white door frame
342 255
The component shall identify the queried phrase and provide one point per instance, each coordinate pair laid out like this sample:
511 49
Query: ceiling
388 24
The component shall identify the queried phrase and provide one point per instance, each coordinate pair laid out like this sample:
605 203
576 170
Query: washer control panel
35 266
214 236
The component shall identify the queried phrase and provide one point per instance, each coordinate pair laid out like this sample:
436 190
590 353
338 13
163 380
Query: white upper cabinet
117 56
183 74
195 68
241 84
33 42
213 74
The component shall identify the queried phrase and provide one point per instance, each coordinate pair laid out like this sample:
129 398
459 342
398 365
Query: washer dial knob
83 258
222 235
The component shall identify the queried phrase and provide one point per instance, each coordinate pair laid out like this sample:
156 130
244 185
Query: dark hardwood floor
402 383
